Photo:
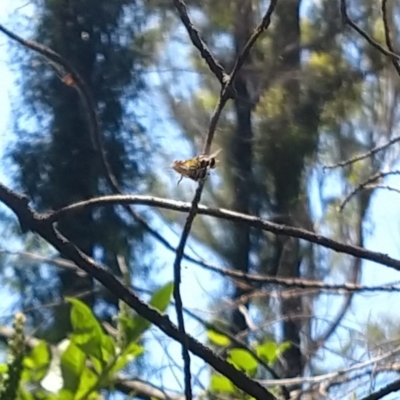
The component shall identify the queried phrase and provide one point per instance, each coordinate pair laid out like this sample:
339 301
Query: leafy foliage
89 364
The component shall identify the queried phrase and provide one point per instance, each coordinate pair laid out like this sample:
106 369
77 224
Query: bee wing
213 155
209 157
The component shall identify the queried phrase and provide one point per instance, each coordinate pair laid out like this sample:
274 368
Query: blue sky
196 284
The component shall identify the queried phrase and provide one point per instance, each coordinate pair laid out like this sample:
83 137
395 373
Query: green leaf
87 332
161 298
82 318
72 364
107 348
65 394
283 347
43 395
221 384
24 395
270 350
243 360
218 338
135 327
88 380
38 362
132 351
98 366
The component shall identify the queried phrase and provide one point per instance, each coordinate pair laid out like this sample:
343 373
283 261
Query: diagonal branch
185 235
298 283
363 156
366 184
199 43
84 93
242 345
38 223
388 39
262 27
392 387
348 21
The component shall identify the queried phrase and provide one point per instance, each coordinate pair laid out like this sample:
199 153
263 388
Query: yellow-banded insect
196 168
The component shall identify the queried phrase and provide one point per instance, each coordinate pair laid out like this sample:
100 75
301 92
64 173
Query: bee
196 168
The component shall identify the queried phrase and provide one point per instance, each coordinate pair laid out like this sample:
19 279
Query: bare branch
226 93
388 38
262 27
363 156
385 187
177 281
332 375
389 52
38 223
84 93
366 184
233 216
302 283
238 64
392 387
198 42
347 20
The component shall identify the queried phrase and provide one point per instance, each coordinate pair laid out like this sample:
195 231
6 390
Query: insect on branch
224 97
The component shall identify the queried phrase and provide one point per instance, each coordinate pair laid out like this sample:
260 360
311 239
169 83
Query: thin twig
261 28
330 375
297 283
384 187
366 184
363 156
177 281
185 235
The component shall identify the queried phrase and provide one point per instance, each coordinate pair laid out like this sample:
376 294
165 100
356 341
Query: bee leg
179 180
